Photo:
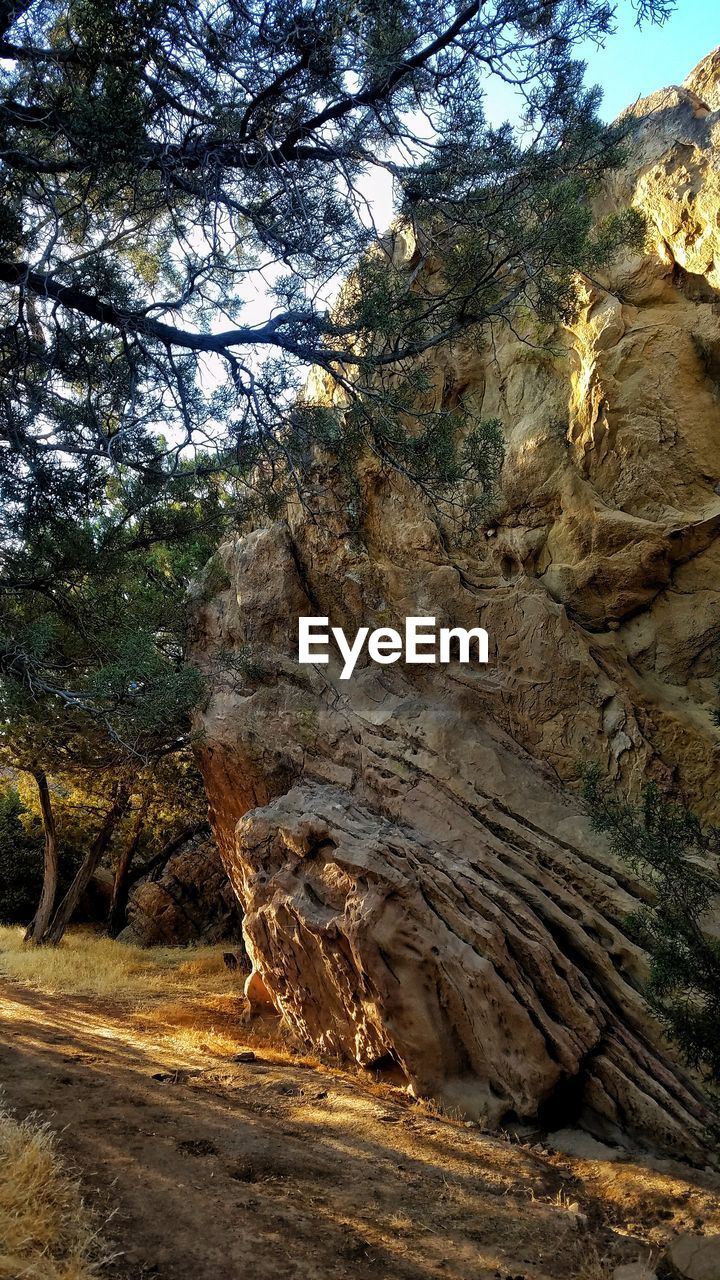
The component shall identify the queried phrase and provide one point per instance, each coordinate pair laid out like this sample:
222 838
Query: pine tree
162 162
94 684
677 857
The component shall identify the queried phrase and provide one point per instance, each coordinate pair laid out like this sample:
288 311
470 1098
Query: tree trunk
69 904
121 885
37 927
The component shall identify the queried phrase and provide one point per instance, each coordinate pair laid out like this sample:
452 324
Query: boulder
693 1257
95 902
581 1145
189 899
634 1271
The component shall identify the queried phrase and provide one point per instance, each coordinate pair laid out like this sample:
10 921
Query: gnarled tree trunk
117 915
69 904
38 926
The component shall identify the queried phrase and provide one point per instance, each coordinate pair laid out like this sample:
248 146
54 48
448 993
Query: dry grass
185 997
165 1011
87 964
595 1267
45 1233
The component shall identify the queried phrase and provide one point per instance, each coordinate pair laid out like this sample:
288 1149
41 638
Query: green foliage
239 667
677 858
213 579
156 156
21 862
167 798
447 452
92 666
95 688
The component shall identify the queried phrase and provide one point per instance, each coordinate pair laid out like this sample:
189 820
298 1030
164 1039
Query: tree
39 925
121 878
93 682
67 908
168 808
160 161
678 859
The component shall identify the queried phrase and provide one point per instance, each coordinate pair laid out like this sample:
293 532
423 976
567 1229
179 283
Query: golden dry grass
87 964
45 1232
184 996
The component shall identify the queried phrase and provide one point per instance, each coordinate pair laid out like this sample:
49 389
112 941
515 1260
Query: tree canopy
184 188
94 687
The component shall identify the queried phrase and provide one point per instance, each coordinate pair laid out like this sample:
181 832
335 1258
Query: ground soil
214 1169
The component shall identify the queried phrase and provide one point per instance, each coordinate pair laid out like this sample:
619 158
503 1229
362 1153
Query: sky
635 61
638 60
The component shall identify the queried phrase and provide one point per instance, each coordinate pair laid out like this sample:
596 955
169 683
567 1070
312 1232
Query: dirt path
268 1169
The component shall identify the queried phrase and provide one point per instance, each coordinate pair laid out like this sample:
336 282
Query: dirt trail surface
273 1168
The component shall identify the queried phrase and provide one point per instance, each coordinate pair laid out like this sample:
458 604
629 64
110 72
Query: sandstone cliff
417 875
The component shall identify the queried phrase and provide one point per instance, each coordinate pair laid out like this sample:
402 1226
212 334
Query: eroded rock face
417 874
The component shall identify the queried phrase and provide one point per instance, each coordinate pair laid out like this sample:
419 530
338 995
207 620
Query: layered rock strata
418 879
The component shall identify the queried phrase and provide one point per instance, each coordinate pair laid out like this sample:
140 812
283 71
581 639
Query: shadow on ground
216 1170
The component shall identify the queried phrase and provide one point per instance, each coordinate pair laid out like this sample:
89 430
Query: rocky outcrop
188 899
418 878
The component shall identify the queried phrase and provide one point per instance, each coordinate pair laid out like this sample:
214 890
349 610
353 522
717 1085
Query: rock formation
418 878
188 899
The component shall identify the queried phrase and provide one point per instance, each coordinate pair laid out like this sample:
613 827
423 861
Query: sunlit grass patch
45 1231
182 999
86 963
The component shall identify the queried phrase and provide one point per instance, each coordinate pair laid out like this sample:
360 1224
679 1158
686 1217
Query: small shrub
213 580
677 856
